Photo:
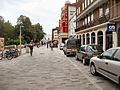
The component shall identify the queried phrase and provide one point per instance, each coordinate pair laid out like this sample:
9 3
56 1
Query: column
96 38
85 39
104 40
81 39
114 36
90 37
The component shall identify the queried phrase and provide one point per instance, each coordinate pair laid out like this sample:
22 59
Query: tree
29 32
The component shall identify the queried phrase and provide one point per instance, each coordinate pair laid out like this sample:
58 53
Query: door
114 66
81 52
103 62
109 40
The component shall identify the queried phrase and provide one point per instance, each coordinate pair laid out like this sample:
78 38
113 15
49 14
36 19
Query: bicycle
7 55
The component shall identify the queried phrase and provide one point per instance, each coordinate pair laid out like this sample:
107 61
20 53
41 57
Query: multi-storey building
66 24
93 25
71 19
115 18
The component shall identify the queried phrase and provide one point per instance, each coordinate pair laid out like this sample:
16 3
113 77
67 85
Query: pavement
45 70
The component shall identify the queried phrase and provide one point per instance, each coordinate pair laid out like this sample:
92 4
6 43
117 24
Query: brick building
95 23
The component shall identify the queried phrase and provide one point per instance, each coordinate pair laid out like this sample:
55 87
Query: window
107 11
83 6
85 3
89 19
88 2
100 12
89 49
83 22
91 1
79 10
117 55
92 17
86 20
82 48
108 54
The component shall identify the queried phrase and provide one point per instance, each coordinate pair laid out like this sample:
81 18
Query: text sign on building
111 27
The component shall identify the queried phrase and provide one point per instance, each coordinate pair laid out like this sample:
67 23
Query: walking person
51 45
31 47
47 44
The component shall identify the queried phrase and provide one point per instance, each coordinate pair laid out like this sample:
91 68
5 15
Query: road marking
92 81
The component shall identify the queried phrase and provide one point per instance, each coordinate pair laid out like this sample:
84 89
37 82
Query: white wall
71 19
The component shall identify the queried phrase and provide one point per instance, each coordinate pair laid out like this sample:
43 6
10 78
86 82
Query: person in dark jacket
31 47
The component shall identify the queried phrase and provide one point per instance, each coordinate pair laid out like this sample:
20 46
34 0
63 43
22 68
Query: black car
86 52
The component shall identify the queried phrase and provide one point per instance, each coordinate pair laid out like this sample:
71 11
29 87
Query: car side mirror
100 56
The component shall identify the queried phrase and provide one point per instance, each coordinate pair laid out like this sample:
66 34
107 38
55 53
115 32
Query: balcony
99 21
115 12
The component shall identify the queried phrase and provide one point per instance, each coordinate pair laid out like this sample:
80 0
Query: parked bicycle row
9 54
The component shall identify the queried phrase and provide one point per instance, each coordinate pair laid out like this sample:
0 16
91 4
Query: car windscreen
96 48
71 44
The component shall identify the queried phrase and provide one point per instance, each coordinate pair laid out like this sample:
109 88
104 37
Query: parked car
107 64
61 46
70 47
86 52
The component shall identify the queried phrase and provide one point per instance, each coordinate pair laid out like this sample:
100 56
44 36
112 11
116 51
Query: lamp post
20 38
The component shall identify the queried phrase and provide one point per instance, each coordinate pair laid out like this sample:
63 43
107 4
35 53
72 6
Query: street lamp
20 38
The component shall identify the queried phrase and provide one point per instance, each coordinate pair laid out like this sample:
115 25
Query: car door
102 63
81 52
89 52
114 66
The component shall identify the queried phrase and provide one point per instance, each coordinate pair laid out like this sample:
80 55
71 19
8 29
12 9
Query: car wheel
76 57
119 81
83 61
93 69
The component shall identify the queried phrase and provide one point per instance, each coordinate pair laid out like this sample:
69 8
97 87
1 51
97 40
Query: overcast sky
46 12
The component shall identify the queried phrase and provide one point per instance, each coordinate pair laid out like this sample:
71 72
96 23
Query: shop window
101 12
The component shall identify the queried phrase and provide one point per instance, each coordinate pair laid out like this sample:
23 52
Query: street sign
111 27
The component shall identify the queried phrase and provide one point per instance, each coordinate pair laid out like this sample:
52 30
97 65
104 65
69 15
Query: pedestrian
47 44
31 47
51 45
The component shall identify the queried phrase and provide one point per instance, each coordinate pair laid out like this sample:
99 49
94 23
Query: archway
108 39
83 39
100 38
118 37
88 38
92 38
80 39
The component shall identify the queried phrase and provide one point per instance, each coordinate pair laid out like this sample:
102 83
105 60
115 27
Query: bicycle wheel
9 56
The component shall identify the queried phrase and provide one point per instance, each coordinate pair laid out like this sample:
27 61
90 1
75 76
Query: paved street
45 70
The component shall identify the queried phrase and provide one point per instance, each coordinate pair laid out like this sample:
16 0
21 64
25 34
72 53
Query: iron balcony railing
95 22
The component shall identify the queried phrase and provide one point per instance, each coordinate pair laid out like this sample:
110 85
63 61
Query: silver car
107 64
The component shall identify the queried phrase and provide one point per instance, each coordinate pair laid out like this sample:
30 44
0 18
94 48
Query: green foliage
28 32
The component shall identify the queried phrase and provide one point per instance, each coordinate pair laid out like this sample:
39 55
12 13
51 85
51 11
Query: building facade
66 23
93 24
115 18
71 19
